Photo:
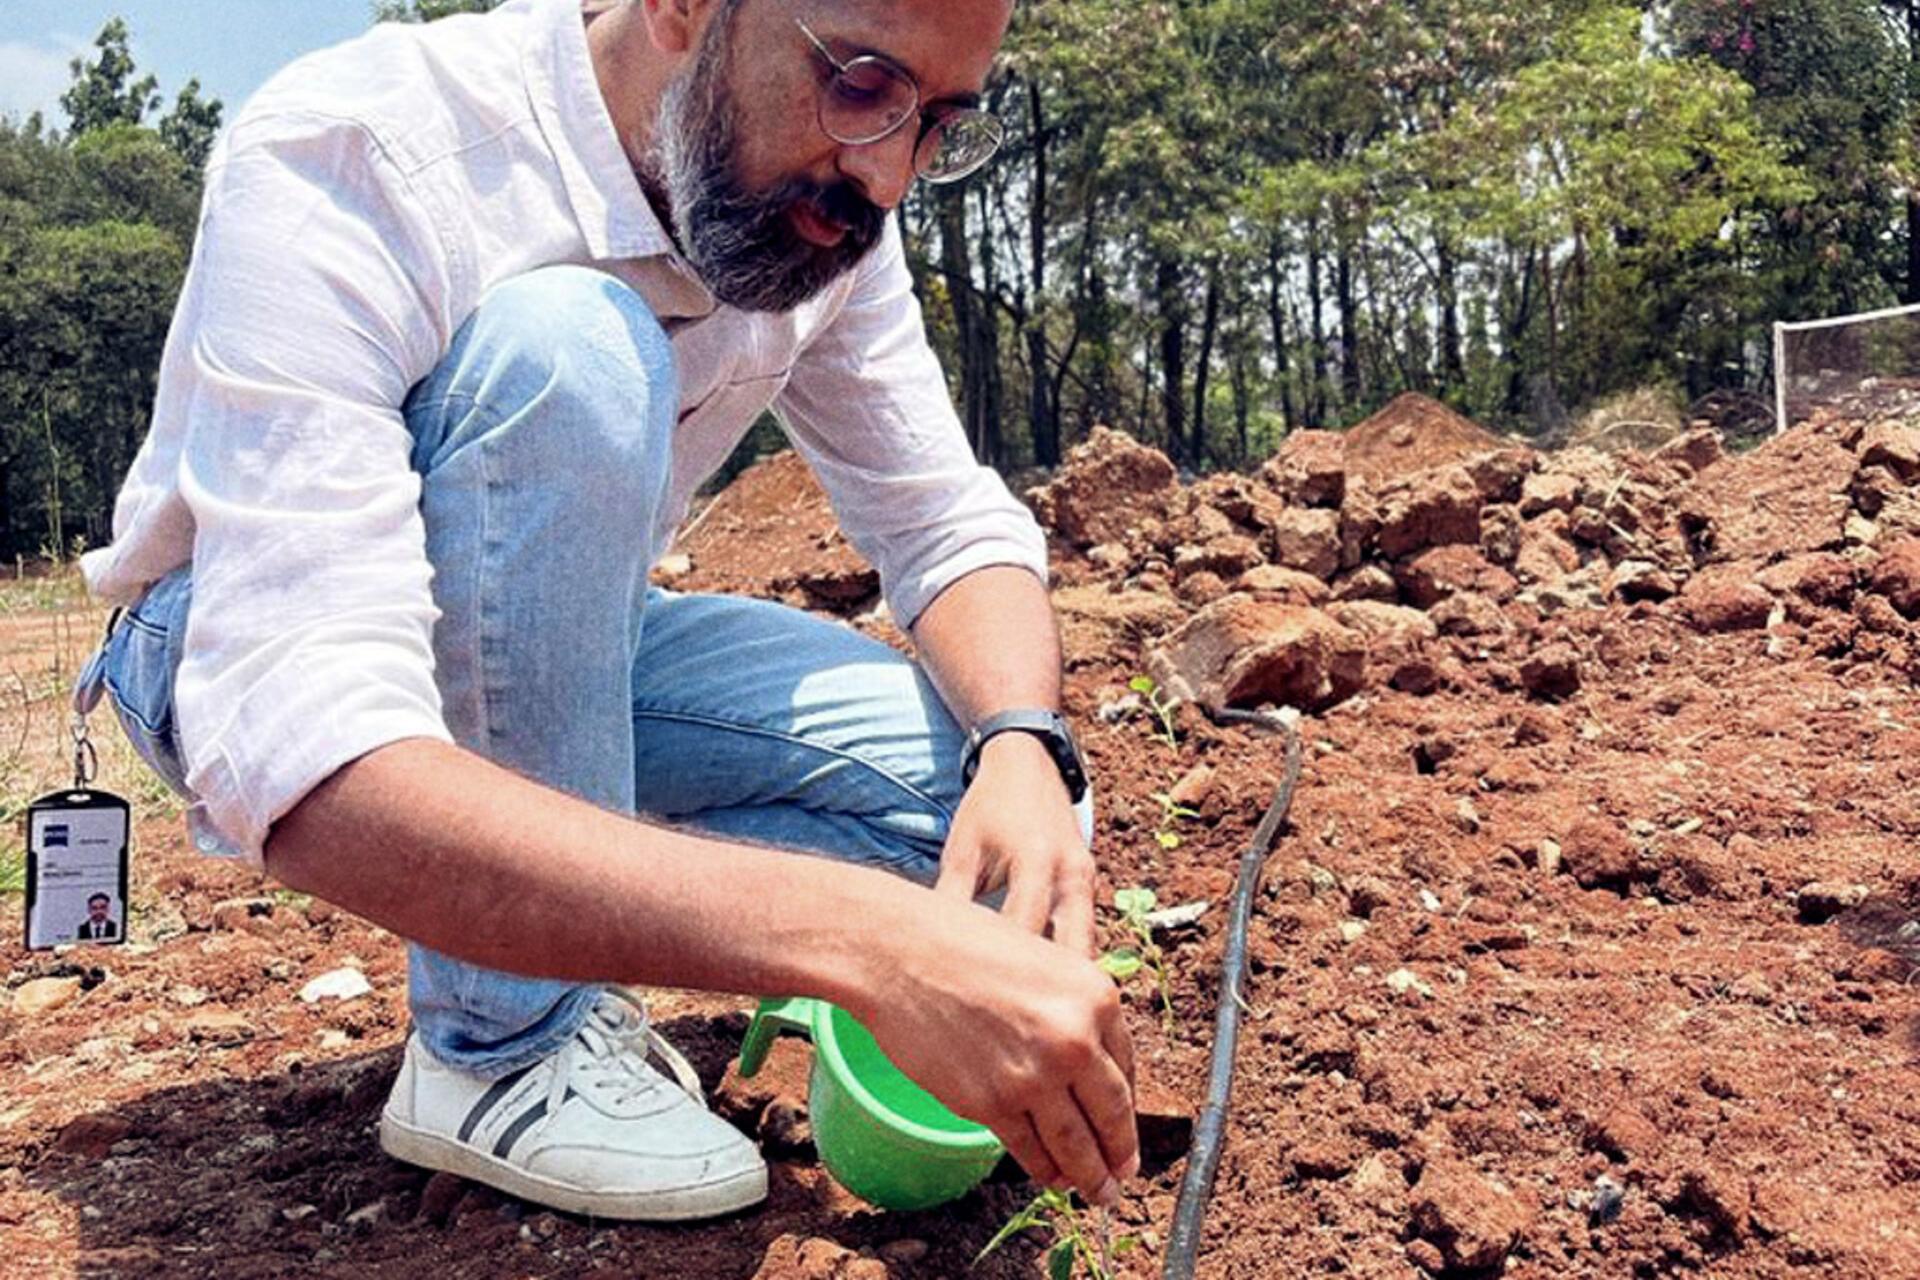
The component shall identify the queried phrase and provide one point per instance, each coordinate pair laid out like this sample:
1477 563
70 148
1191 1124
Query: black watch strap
1048 726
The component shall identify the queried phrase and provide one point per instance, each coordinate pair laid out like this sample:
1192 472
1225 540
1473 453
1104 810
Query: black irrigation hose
1210 1129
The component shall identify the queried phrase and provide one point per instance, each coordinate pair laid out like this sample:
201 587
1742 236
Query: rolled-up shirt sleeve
868 409
315 300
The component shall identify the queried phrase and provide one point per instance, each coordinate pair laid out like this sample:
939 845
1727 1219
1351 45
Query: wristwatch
1048 726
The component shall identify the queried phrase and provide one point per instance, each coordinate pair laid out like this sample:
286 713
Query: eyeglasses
870 97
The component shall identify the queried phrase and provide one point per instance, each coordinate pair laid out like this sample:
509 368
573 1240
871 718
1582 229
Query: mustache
839 202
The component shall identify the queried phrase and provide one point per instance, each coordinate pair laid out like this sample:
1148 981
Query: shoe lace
610 1055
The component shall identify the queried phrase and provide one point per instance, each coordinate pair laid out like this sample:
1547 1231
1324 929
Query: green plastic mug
881 1136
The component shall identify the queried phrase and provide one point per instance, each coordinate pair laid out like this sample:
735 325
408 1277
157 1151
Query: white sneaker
593 1128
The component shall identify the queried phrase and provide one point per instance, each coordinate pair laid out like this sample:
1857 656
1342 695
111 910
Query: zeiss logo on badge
54 835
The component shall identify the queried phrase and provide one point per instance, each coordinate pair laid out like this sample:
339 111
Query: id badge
77 846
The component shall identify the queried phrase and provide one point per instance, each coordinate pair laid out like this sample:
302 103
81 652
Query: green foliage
1160 703
427 10
95 230
1276 213
1122 963
189 129
1171 812
105 91
13 868
1074 1243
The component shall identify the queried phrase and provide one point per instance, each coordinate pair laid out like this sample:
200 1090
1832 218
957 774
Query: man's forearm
991 644
442 847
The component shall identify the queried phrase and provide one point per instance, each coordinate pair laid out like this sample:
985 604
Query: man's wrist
1046 729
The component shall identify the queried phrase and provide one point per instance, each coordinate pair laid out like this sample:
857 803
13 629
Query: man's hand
1016 1033
1016 830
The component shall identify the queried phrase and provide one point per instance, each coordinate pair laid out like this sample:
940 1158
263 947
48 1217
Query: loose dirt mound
1587 953
1412 433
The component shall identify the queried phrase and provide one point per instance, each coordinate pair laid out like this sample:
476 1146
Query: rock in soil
1242 652
37 996
1471 1221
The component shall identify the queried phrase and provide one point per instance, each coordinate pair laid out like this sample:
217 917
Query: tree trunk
1209 326
1173 354
1277 320
970 313
1043 408
1317 333
1241 383
1453 365
1349 330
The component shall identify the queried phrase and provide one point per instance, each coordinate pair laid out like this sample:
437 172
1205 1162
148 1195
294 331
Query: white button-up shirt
355 213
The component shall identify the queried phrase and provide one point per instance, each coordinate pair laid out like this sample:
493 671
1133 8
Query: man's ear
675 25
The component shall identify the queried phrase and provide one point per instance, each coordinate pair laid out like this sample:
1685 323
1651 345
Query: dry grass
1643 418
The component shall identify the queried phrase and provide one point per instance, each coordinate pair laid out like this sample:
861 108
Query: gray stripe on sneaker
490 1099
527 1119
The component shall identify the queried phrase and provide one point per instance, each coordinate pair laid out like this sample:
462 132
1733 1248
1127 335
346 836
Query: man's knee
564 320
566 345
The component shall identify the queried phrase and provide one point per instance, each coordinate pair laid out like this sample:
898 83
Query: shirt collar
607 200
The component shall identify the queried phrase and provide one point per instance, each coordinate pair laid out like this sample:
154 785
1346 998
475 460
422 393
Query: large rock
1698 449
1500 473
1894 446
1429 509
1309 469
1228 555
1896 575
1549 491
1726 598
1438 572
1278 580
1377 620
1598 854
1473 1222
1307 539
1545 555
1243 651
1094 620
1108 482
36 996
1822 577
1501 530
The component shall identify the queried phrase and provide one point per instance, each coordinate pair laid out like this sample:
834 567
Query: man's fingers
1119 1046
1070 1142
1023 1143
1105 1096
1073 918
959 873
1029 898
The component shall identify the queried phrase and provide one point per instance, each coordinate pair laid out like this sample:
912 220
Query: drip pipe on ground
1210 1128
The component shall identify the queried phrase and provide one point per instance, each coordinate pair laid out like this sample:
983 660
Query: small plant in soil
1122 963
1075 1244
1171 811
1160 704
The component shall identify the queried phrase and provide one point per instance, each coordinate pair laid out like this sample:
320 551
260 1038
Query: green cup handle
773 1017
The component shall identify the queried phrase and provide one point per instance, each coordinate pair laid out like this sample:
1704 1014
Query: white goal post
1868 362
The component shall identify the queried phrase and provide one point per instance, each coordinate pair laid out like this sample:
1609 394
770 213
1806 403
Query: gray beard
741 243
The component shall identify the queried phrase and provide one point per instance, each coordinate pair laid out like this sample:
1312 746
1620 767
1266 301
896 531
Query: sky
231 45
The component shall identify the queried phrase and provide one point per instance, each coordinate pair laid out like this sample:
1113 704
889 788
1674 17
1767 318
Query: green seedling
1171 811
1160 703
1123 963
1074 1244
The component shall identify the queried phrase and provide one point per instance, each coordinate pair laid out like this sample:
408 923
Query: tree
192 125
104 92
427 10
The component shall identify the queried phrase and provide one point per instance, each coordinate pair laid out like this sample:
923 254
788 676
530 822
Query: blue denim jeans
544 440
